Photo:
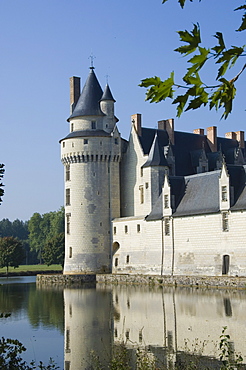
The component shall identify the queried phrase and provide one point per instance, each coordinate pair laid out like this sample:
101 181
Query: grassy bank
31 269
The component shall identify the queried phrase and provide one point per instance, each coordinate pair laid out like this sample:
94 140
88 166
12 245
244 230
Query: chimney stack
74 92
212 138
198 131
168 125
136 121
231 135
240 138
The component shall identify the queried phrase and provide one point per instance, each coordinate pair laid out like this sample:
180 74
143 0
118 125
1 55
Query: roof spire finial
107 76
92 57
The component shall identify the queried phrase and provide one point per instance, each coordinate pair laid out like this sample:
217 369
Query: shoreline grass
31 269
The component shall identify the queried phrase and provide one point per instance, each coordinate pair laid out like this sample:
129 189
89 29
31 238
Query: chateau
163 203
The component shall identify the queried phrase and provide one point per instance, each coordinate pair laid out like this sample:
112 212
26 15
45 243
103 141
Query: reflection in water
88 326
165 321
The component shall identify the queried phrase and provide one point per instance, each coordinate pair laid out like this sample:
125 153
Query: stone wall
65 280
188 281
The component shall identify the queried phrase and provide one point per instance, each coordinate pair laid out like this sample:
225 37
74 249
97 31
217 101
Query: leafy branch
196 92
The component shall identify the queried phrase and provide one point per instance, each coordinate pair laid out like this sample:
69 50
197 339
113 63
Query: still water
67 324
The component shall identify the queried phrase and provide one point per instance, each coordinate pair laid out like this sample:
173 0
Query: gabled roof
156 155
89 100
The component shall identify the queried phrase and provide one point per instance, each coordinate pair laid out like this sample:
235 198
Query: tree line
38 240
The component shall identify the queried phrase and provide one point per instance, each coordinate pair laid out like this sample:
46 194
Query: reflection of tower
91 156
87 327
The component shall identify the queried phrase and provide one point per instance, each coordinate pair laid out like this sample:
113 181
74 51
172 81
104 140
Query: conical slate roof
107 95
89 100
156 156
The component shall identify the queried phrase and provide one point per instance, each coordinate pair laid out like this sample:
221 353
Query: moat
68 323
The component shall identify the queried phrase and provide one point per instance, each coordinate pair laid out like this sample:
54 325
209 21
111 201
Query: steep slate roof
107 95
237 180
156 154
241 200
147 137
201 194
86 133
88 103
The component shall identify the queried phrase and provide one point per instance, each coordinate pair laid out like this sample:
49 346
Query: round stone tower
91 154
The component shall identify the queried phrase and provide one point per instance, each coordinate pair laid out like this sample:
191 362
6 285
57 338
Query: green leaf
181 100
229 58
193 79
159 90
193 39
218 49
223 97
243 24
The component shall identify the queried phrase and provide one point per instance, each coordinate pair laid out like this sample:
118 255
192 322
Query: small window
127 334
167 226
115 333
146 185
116 262
138 228
67 172
224 193
63 144
114 230
141 172
225 224
140 336
68 223
67 197
127 259
71 127
116 141
166 201
126 229
85 141
141 190
93 125
68 341
70 252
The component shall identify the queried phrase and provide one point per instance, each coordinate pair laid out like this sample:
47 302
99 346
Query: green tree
11 252
197 92
1 184
43 228
54 250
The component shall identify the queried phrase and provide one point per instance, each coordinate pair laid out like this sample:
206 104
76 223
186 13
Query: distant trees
11 252
18 229
43 229
54 250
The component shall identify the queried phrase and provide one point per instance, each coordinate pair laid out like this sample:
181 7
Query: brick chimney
168 125
231 135
212 138
74 92
198 131
136 121
240 138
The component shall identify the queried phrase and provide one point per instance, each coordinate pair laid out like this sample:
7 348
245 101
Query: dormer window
93 125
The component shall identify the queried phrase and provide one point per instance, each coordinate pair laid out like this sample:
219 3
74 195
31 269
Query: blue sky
44 42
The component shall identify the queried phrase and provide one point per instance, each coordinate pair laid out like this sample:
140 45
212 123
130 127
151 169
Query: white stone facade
163 203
